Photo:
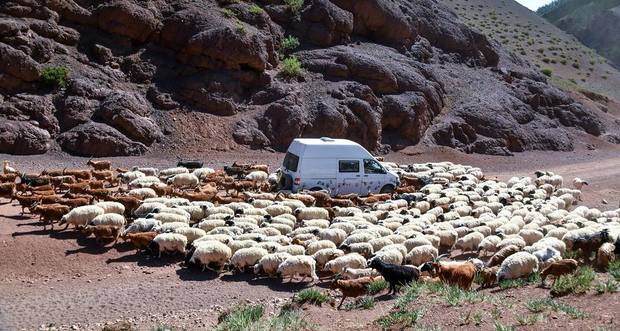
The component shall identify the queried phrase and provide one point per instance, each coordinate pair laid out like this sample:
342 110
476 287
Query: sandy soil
60 277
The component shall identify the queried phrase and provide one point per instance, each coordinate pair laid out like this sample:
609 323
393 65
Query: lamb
351 288
299 265
395 275
80 216
184 180
488 276
352 273
557 269
469 242
309 213
605 255
102 232
460 274
209 253
421 254
109 219
499 257
269 263
139 240
338 264
169 243
517 265
247 257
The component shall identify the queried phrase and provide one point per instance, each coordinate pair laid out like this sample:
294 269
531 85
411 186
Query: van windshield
290 162
373 167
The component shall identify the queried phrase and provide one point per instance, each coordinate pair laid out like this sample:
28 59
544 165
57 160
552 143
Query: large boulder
126 19
326 24
17 137
18 64
98 140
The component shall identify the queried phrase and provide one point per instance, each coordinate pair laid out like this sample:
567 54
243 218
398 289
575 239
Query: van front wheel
387 189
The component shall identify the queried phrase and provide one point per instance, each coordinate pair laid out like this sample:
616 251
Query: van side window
290 162
373 167
349 166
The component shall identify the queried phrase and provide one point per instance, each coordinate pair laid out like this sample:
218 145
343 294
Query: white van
339 166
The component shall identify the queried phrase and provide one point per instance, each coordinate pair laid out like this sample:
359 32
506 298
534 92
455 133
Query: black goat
193 164
394 274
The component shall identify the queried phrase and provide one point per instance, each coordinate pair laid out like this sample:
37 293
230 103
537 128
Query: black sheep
394 274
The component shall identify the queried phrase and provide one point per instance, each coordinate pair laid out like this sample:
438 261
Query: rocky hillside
596 23
125 77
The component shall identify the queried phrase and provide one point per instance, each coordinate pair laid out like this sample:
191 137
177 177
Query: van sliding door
349 179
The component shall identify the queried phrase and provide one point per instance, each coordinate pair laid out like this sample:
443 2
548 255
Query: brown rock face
387 74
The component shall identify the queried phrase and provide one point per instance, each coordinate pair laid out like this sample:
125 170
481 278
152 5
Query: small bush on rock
291 66
54 76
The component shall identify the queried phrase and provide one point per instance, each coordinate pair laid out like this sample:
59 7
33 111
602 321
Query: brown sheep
605 255
140 240
351 288
502 254
102 232
557 269
50 213
100 165
461 274
488 276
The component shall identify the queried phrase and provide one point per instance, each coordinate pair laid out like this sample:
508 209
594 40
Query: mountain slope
194 75
594 23
572 65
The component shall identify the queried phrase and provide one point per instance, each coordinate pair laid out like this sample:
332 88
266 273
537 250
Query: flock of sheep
233 219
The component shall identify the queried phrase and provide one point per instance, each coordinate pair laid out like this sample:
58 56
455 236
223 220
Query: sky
533 4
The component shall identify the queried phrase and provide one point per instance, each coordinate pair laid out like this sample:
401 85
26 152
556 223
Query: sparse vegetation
377 286
294 5
400 318
240 27
579 282
610 286
255 9
520 282
291 66
311 296
228 13
530 319
54 76
239 318
365 302
470 317
501 327
289 44
541 305
614 270
547 72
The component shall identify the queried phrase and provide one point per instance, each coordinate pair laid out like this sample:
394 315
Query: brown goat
76 188
8 178
26 201
488 276
50 213
47 187
334 202
78 174
100 194
57 181
557 269
162 190
102 232
130 202
501 255
351 288
100 165
227 199
75 202
53 172
7 190
196 196
96 184
461 274
140 240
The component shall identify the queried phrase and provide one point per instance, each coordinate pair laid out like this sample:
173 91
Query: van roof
328 148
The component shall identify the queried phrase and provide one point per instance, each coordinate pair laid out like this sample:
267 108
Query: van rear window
290 162
349 166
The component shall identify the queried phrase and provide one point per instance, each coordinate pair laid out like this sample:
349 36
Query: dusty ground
62 278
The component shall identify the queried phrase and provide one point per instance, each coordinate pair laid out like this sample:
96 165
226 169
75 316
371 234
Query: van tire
387 189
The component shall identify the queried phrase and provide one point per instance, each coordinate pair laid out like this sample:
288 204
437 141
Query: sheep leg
341 301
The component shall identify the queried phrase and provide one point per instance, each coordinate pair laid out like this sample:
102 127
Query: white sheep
352 260
143 182
146 208
257 176
247 257
547 256
293 249
352 273
210 252
421 254
309 213
183 180
489 244
172 171
109 219
143 193
299 265
168 217
578 183
146 171
191 233
517 265
325 255
80 216
531 236
203 173
130 176
316 246
469 242
111 207
168 243
269 263
141 225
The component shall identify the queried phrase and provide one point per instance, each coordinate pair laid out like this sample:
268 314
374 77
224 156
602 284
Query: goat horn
441 256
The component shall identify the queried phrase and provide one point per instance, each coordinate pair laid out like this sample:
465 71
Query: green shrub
377 286
400 318
312 296
291 66
239 318
255 9
614 270
365 302
240 27
579 282
547 72
54 76
228 13
500 327
540 305
530 319
294 5
286 320
289 44
520 282
610 286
